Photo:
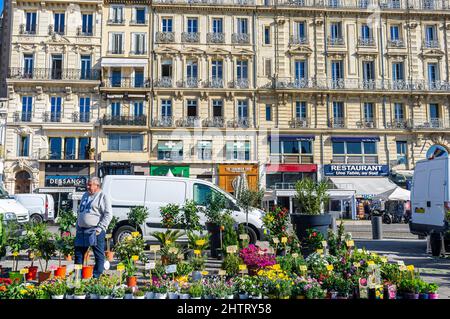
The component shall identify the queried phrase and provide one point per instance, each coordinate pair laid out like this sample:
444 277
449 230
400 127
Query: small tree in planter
311 197
66 220
170 215
112 225
214 213
137 216
249 198
47 249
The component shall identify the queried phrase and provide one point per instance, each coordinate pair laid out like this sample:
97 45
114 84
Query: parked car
153 192
430 200
11 209
40 206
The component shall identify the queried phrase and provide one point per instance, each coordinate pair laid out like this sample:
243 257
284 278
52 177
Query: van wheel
36 219
387 219
251 234
122 232
435 242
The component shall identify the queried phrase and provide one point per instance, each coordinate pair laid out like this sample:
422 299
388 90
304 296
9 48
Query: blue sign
65 181
358 170
436 151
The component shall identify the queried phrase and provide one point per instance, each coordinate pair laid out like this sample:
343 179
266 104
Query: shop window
125 143
355 152
285 180
69 148
170 150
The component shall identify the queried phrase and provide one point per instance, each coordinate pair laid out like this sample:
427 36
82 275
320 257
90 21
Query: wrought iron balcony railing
51 116
31 30
163 121
125 82
189 83
215 37
22 116
241 122
116 21
53 74
126 120
190 37
164 82
240 38
239 84
432 123
366 42
398 124
295 39
366 123
299 122
337 122
335 41
216 121
82 33
396 43
165 37
81 117
214 83
429 44
189 121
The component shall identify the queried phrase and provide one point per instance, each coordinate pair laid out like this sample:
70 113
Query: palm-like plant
311 196
168 237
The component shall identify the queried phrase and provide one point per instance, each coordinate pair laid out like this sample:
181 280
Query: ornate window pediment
218 51
300 50
166 51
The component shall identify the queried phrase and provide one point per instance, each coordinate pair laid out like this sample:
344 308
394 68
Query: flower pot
87 272
423 296
184 296
69 296
214 238
79 296
32 273
139 297
60 272
243 296
159 295
93 296
197 275
44 275
230 297
196 297
103 297
57 296
68 258
411 296
128 296
149 295
301 223
109 255
173 295
433 296
332 295
15 276
132 281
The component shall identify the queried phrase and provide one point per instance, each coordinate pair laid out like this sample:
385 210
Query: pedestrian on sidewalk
94 216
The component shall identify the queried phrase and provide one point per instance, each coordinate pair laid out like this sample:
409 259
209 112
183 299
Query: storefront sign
65 181
305 168
228 173
356 170
162 170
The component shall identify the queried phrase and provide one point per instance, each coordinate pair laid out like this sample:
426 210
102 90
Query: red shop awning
303 168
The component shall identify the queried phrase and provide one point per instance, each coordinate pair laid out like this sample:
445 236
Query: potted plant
127 251
248 198
189 217
87 271
214 213
57 289
47 249
118 293
256 258
160 290
312 197
172 290
138 294
112 225
66 221
184 291
198 263
432 290
231 264
16 244
409 287
129 292
79 291
148 290
168 243
137 216
196 290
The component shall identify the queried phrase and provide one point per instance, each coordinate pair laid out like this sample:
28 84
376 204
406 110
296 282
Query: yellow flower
200 242
135 234
276 267
23 291
204 273
134 258
197 252
168 242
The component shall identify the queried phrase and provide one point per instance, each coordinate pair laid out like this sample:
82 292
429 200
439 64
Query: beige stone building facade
282 89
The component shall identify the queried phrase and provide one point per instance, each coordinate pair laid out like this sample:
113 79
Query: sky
1 5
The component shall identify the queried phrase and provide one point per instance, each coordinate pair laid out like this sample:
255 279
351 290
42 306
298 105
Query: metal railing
299 122
398 124
51 116
335 41
366 42
22 116
216 121
116 21
337 122
208 2
240 38
125 82
190 37
81 117
165 37
432 123
163 121
430 43
239 84
242 122
396 43
366 123
295 39
23 29
190 82
126 120
214 83
215 37
164 82
373 4
189 121
53 74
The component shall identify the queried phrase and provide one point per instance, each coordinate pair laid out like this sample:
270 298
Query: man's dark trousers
99 254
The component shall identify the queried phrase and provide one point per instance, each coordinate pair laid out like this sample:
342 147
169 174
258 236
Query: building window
268 112
139 78
242 109
116 14
204 150
69 148
139 14
166 108
217 25
138 108
300 31
84 145
267 35
435 118
28 65
217 108
59 22
86 64
368 71
433 76
55 108
191 70
242 69
191 108
369 111
300 110
355 152
166 24
55 146
399 115
166 68
115 109
242 25
366 32
116 43
30 23
24 145
138 44
292 151
397 71
192 25
170 150
286 180
217 69
125 143
56 71
300 72
401 152
238 150
395 33
338 115
337 70
85 109
336 31
27 108
87 24
430 34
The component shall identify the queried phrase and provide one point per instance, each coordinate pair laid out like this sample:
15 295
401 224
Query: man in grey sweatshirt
94 216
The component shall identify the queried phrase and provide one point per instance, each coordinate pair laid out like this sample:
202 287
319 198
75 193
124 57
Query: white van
430 198
40 206
9 208
153 192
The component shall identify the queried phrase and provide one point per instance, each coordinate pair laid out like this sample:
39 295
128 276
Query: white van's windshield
3 193
202 193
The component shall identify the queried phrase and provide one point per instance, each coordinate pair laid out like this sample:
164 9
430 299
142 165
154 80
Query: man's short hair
95 180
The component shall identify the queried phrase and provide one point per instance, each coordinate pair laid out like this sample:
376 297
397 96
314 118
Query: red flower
314 234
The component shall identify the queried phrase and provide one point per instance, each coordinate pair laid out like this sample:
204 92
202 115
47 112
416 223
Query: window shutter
133 42
133 14
268 68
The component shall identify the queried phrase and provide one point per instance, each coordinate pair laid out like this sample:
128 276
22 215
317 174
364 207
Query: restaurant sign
363 170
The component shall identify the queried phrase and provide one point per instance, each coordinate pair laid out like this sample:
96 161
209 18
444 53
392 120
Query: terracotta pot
68 258
132 281
44 275
60 272
32 273
164 260
87 272
109 255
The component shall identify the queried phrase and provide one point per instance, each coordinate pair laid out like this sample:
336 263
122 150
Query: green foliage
311 196
291 264
65 245
250 198
66 220
196 290
314 239
215 208
112 224
190 219
3 238
168 237
137 215
230 236
133 245
170 215
198 262
184 268
198 241
231 264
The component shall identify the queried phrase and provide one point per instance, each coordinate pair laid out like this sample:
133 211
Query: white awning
341 193
396 194
113 62
364 185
